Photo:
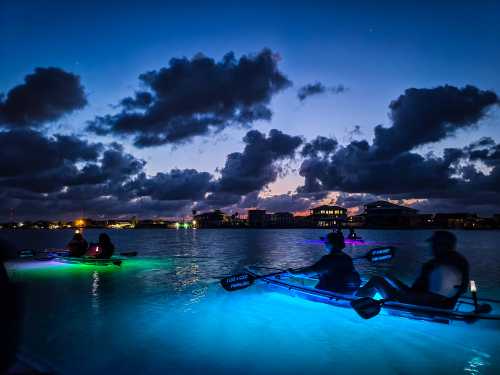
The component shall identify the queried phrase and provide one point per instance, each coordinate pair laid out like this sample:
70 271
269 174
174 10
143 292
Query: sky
137 111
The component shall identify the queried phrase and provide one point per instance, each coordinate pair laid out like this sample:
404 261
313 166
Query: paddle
244 280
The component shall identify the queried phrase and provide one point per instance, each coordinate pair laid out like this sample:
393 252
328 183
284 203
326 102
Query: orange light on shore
79 223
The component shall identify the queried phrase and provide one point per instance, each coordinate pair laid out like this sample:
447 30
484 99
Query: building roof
328 207
388 206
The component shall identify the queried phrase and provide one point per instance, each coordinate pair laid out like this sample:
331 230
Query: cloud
318 88
34 162
186 184
28 152
195 97
45 96
65 174
256 166
390 167
422 116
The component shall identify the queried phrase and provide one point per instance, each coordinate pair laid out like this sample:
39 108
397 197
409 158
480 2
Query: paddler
335 270
106 247
441 281
78 245
352 234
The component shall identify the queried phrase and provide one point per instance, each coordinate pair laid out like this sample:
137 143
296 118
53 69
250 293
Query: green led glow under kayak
114 261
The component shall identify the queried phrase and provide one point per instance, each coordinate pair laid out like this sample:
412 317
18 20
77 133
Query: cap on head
443 239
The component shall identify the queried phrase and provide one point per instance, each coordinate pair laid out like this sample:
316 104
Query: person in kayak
77 246
335 270
106 247
352 234
441 281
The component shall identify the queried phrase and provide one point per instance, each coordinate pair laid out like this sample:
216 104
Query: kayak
89 261
304 288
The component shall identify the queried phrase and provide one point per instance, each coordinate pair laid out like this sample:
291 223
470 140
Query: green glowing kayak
114 261
304 288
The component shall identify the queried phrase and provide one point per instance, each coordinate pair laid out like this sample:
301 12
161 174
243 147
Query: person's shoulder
460 257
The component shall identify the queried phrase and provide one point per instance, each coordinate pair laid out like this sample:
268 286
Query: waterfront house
382 214
327 216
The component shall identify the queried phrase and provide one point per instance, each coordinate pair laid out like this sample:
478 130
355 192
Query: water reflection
95 292
477 364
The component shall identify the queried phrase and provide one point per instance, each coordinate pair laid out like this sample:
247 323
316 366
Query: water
164 312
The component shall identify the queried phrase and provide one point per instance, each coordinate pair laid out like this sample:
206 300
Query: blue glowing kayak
304 288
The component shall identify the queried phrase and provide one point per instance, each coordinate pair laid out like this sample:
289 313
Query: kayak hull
463 311
89 261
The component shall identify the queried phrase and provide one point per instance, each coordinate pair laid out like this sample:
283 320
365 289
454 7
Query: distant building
151 224
459 220
328 216
282 219
214 219
356 221
387 214
120 224
257 218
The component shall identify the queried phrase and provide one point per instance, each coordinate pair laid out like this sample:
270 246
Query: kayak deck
304 288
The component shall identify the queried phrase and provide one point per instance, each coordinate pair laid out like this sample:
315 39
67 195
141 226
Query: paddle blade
237 282
381 254
366 307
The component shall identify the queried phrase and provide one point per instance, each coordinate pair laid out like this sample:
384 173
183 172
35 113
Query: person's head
334 241
104 238
442 242
78 236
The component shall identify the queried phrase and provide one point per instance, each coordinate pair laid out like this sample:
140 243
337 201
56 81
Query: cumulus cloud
77 175
46 95
389 166
318 88
195 96
186 184
422 116
256 166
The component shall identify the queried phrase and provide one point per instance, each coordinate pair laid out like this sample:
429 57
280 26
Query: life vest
445 280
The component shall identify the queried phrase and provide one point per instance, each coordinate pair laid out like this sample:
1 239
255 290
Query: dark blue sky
376 50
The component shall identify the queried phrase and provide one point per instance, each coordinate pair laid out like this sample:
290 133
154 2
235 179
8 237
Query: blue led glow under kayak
304 288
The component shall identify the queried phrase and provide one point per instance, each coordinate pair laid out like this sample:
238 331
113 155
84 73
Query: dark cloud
256 166
422 116
186 184
323 146
318 88
390 168
34 162
27 152
194 97
46 95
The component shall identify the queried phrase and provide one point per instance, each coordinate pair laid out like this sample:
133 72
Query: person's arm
422 281
318 267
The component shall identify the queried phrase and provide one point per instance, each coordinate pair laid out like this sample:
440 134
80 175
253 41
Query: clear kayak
114 261
464 310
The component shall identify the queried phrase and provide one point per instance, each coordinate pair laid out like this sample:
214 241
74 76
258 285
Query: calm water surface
164 312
